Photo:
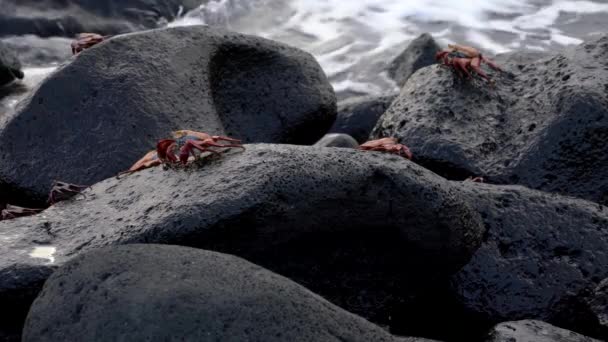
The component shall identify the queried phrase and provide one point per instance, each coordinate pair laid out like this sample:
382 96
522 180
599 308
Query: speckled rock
158 293
334 220
337 140
94 117
544 126
419 54
10 67
47 18
357 116
539 249
534 331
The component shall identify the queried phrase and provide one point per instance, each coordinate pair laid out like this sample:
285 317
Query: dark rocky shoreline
292 240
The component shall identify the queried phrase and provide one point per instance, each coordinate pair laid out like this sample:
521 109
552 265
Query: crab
390 145
84 41
462 58
62 191
186 142
475 179
9 212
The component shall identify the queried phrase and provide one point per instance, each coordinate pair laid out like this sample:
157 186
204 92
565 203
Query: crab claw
405 152
441 55
164 149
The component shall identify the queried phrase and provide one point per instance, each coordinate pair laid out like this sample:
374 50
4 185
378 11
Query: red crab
9 212
186 142
389 145
84 41
460 58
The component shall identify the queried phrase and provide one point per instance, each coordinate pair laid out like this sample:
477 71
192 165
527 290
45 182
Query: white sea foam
355 40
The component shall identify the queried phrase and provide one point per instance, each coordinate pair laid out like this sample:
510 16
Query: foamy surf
355 40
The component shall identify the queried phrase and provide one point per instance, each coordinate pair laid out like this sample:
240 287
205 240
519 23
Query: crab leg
490 63
217 137
476 66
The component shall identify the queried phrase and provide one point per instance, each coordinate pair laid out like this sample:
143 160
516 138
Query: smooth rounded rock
337 140
357 116
334 220
418 54
10 66
97 115
159 293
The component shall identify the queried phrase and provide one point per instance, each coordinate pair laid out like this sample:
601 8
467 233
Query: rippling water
355 40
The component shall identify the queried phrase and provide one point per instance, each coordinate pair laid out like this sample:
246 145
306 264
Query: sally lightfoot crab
463 59
390 145
84 41
185 143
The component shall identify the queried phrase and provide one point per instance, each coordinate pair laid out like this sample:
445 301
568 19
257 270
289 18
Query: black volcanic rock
10 67
357 116
544 126
539 250
47 18
100 113
158 293
534 331
334 220
418 54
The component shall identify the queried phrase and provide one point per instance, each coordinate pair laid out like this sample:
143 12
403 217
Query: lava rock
334 220
534 331
48 18
357 116
154 292
518 60
419 54
10 67
544 126
539 249
96 116
337 140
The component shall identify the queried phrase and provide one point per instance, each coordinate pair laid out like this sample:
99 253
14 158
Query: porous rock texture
97 115
539 249
357 116
418 54
47 18
158 293
544 126
534 331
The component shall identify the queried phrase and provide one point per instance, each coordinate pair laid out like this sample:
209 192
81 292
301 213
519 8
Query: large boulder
539 250
98 114
334 220
534 331
418 54
159 293
10 67
357 116
544 126
48 18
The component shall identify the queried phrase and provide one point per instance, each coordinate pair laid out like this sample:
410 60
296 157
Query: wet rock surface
39 52
539 249
357 116
534 331
10 66
153 292
97 115
334 220
419 54
47 18
544 126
